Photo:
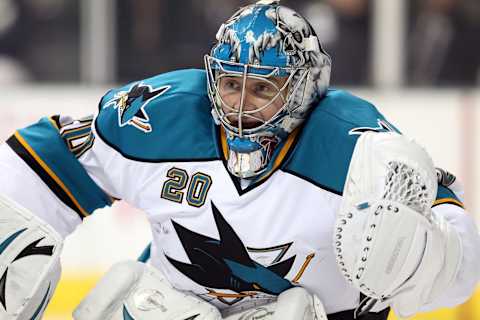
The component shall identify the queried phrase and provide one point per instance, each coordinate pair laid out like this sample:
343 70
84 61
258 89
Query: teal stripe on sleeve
47 143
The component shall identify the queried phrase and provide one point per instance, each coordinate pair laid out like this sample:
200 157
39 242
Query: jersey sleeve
61 171
41 171
468 275
51 154
449 204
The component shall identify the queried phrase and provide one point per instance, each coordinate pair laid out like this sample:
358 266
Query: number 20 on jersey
196 192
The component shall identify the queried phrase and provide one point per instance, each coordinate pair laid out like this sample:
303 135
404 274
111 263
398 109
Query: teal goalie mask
262 43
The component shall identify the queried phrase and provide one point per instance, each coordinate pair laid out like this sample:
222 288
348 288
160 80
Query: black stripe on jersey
23 153
312 181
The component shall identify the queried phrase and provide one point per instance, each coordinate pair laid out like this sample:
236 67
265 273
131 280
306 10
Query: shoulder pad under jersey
163 118
325 145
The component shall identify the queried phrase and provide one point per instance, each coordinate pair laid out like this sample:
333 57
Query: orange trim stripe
281 155
242 294
308 259
50 172
146 127
448 200
224 142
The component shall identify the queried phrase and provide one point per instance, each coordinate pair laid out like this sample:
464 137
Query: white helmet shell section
303 48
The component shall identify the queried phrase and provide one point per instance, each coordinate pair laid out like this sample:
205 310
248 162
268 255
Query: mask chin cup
246 165
246 158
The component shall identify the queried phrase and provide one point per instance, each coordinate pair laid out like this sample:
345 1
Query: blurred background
418 61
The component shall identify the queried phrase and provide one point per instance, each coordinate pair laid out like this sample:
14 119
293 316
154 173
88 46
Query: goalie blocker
389 243
29 262
137 291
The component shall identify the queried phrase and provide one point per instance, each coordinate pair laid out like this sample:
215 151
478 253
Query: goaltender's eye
264 90
230 84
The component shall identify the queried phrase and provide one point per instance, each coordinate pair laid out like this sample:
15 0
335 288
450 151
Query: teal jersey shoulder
446 195
325 144
163 118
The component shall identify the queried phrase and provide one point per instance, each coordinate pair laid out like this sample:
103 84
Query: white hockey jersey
154 144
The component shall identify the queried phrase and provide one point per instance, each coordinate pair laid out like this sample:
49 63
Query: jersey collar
280 155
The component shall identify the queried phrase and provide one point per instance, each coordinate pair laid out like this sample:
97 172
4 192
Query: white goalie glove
292 304
29 263
389 243
136 291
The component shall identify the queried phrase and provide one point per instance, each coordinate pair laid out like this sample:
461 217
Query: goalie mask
266 71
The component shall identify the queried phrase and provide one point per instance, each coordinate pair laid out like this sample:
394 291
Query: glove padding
29 262
135 290
292 304
388 242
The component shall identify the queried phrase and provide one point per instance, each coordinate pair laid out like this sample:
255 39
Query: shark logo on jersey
225 264
383 125
131 105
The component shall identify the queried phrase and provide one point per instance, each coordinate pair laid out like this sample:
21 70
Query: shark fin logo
225 263
131 105
383 126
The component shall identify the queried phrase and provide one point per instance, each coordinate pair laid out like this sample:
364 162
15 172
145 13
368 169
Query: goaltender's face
262 99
